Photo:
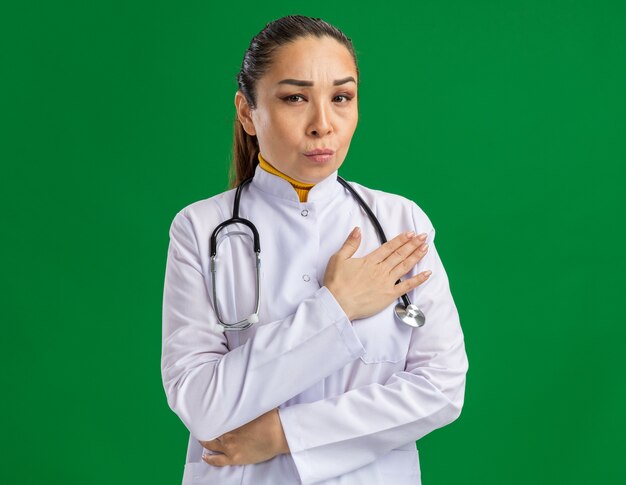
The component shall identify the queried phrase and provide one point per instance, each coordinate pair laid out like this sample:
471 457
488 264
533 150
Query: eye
290 99
345 96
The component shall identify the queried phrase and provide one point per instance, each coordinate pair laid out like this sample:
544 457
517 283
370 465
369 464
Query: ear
244 113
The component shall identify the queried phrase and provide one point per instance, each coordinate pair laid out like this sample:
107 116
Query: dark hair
256 62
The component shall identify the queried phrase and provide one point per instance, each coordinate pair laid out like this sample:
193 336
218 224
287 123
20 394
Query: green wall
504 121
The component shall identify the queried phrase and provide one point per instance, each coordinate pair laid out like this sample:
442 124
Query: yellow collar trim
301 188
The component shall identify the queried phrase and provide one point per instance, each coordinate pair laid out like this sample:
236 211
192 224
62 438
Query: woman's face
306 101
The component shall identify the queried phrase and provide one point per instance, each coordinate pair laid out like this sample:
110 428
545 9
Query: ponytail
245 155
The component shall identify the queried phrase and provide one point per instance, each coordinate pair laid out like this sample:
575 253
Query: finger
383 252
216 460
213 445
411 283
406 265
403 252
351 244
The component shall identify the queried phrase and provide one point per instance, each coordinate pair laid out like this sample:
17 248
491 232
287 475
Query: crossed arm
337 434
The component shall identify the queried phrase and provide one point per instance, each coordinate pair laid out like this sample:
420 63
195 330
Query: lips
320 151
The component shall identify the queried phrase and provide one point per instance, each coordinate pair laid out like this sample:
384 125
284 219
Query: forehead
310 58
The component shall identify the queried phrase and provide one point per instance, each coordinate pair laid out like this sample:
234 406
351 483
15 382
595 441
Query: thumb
351 245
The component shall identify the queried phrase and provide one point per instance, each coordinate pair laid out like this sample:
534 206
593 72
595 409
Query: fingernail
410 234
427 273
356 232
424 247
422 236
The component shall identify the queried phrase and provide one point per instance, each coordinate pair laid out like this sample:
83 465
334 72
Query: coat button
304 213
306 277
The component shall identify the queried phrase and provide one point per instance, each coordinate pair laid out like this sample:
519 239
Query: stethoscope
406 311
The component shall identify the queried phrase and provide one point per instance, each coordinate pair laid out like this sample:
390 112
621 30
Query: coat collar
279 187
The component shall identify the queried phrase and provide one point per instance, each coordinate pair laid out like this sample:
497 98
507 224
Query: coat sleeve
334 436
214 390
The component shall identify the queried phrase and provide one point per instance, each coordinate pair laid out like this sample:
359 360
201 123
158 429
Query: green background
504 121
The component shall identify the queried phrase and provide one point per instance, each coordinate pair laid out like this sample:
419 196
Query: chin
317 176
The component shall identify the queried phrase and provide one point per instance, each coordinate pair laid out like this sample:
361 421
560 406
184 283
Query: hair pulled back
256 62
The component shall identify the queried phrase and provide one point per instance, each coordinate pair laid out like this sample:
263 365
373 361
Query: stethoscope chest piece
411 315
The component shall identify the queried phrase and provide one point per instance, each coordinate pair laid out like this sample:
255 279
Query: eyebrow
297 82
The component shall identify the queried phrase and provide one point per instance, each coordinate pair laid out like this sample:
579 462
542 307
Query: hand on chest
296 244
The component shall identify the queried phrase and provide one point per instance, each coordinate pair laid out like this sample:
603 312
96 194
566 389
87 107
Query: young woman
321 381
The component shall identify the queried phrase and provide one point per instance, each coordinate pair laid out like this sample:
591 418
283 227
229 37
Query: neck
301 188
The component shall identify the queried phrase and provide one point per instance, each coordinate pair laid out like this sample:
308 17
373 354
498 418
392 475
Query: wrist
341 303
281 445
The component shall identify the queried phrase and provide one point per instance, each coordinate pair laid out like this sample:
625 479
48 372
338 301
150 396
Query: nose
321 123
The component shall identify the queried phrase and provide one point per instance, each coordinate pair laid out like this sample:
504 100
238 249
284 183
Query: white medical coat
353 397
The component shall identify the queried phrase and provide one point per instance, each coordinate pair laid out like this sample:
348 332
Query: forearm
217 394
348 431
